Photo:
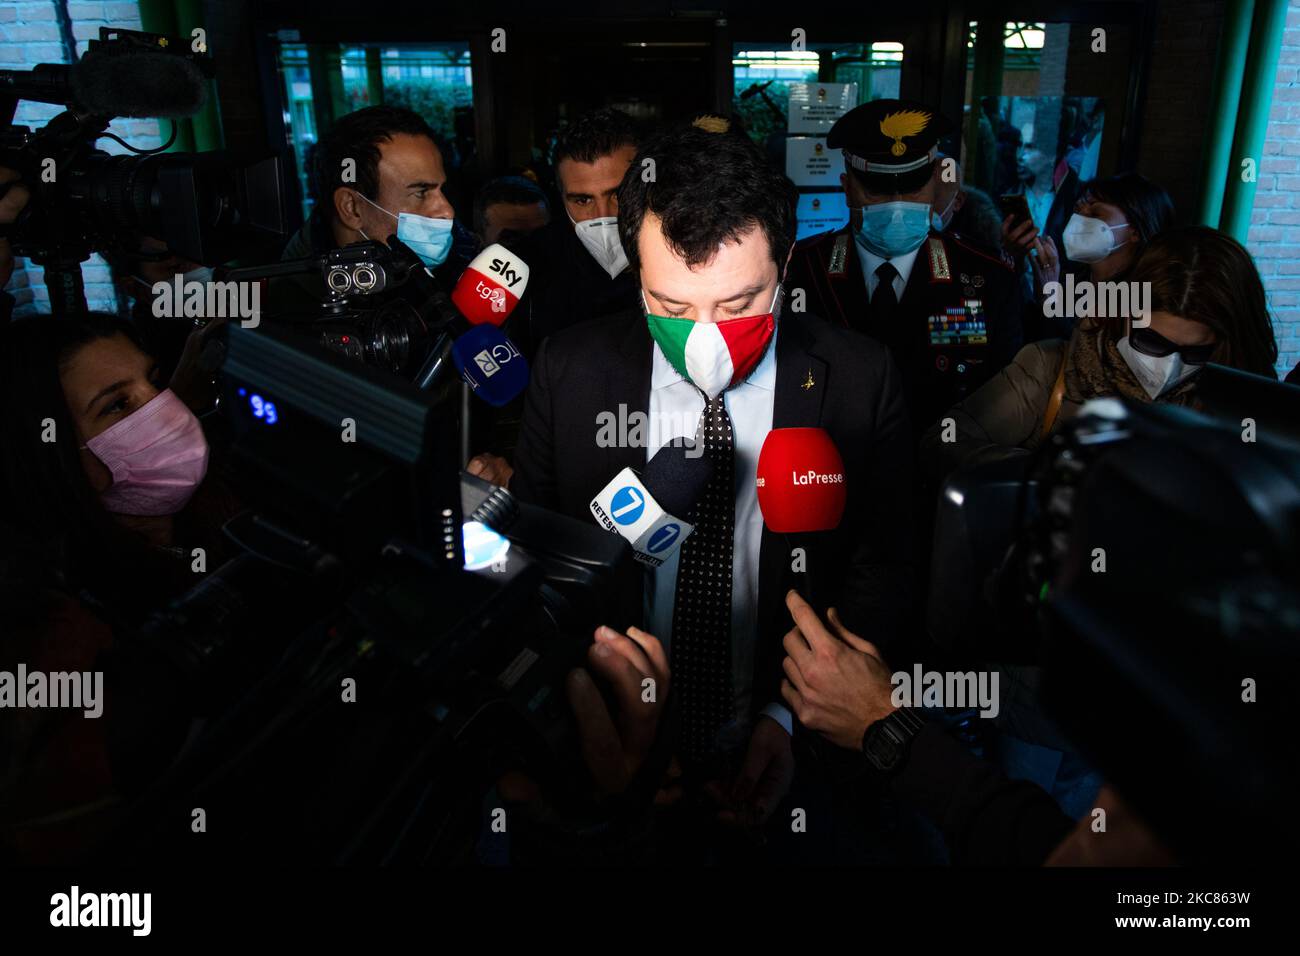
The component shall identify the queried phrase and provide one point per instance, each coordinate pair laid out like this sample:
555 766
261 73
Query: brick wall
1274 238
29 34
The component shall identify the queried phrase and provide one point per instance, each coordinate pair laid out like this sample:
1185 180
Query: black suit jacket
864 567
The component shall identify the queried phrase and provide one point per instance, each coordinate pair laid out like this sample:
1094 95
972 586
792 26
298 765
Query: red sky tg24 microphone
490 287
485 294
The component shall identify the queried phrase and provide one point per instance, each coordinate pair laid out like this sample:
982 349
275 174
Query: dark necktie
701 641
885 302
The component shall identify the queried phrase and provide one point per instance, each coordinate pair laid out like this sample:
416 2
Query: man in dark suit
715 357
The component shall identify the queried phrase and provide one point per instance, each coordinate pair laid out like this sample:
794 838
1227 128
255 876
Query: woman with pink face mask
106 480
103 465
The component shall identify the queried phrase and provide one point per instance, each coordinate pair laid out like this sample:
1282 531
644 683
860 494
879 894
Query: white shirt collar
904 263
663 374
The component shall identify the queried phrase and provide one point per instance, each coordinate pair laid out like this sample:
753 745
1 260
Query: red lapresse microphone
800 481
801 491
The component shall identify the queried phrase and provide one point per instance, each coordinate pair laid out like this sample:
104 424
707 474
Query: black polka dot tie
701 642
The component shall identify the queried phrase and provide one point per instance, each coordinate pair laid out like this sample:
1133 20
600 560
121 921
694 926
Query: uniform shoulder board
940 271
980 250
839 255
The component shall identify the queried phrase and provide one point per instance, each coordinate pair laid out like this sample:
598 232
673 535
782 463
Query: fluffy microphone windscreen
800 481
138 83
676 477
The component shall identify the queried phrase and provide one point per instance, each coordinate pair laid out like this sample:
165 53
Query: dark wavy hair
1147 206
1201 274
358 136
595 134
706 189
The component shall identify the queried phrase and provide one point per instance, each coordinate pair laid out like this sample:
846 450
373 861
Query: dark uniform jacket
958 320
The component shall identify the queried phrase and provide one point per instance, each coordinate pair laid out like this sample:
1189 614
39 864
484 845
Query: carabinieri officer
948 311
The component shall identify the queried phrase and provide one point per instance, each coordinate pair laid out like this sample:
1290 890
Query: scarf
1094 368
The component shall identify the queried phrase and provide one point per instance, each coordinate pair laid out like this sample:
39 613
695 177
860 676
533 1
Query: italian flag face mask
714 355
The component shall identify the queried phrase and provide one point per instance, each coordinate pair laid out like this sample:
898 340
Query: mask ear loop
377 206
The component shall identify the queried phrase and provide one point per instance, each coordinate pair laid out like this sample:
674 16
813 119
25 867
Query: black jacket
864 567
566 287
951 278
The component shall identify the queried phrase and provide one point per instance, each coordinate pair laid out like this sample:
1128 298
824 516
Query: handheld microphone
644 509
490 364
485 294
800 481
491 286
801 488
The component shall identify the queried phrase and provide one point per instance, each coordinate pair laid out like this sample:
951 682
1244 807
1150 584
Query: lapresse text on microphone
800 481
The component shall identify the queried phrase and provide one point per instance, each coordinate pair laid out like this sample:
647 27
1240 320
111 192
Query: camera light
483 546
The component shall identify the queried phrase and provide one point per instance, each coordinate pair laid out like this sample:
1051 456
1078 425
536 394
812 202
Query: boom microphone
123 76
644 508
138 82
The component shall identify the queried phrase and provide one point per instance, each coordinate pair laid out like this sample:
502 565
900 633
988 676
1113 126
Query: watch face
882 747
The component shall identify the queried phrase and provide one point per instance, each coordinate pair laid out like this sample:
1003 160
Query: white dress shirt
871 262
675 410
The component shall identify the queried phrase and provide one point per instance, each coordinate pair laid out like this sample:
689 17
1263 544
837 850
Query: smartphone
1015 205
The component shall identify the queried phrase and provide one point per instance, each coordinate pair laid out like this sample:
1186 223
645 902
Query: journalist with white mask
1114 220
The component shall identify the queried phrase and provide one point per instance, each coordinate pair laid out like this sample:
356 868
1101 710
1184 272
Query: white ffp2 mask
600 238
1156 373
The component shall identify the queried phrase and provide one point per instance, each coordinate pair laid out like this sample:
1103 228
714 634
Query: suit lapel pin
809 383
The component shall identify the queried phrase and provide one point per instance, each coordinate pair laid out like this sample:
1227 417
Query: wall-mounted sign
814 107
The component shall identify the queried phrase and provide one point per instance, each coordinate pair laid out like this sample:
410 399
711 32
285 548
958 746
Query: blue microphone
490 364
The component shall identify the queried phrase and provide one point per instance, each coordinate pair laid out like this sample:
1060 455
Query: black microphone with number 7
648 509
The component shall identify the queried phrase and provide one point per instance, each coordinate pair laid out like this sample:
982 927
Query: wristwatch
886 742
